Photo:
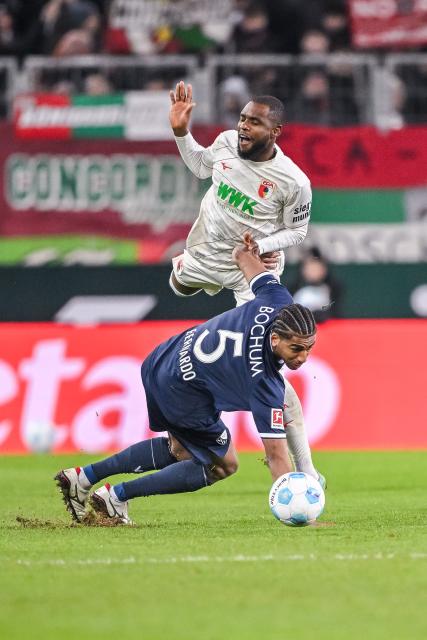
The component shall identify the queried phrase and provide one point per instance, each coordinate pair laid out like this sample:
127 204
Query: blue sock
181 477
147 455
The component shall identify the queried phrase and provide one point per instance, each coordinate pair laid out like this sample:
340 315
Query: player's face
256 133
293 351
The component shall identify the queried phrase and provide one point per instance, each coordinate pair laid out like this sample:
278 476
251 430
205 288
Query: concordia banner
139 189
387 23
359 389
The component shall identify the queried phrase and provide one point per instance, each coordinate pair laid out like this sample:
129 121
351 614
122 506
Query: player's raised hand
270 260
246 256
250 243
181 107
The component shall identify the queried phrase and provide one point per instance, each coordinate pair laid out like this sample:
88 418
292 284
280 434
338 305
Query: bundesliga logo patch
265 189
277 421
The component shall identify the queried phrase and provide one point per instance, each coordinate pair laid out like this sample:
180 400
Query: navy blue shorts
189 415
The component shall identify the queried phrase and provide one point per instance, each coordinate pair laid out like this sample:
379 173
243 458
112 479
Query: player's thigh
177 449
192 273
236 281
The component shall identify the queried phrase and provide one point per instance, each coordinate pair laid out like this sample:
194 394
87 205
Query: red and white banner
143 190
359 389
388 23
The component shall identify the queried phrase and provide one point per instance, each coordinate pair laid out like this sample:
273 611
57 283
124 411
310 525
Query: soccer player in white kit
255 188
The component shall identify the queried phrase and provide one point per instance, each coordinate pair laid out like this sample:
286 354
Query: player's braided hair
294 319
277 108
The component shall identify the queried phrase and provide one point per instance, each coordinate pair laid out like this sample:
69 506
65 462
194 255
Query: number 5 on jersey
214 355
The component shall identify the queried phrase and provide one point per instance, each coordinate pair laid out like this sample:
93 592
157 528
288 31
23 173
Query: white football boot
105 502
74 494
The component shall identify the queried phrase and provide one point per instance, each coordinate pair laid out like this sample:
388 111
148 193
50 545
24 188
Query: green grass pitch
216 565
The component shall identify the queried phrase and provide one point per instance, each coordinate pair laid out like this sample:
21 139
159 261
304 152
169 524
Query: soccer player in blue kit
228 363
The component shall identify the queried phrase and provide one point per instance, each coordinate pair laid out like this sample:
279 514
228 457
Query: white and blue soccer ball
296 499
39 437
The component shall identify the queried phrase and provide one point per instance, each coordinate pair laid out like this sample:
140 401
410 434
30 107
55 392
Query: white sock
297 440
114 495
83 479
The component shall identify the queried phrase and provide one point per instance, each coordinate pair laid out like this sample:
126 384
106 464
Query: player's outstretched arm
181 107
247 258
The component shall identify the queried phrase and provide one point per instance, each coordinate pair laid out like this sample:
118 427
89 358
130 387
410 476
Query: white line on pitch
59 562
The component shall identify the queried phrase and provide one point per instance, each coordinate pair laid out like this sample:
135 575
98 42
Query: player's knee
221 471
180 289
231 468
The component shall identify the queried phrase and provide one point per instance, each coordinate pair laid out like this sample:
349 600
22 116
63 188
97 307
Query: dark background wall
37 293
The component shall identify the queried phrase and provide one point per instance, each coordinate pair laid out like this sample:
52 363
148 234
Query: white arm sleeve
282 239
296 216
197 158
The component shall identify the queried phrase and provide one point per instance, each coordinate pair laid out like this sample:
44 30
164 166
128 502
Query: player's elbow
301 233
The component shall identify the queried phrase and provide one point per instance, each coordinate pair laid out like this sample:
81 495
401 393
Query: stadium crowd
63 28
70 27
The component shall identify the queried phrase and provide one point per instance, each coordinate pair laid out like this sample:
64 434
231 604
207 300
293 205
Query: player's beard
255 150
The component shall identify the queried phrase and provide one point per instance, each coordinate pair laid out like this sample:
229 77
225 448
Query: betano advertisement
360 388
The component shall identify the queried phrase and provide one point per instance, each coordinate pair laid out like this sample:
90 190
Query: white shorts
191 272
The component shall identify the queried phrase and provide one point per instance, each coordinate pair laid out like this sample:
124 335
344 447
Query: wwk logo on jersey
265 189
277 421
236 198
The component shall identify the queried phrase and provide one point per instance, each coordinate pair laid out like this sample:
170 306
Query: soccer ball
39 436
296 499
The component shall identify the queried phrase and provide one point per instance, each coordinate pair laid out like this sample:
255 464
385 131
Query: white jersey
271 199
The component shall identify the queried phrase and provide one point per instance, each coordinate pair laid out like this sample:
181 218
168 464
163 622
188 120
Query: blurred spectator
316 288
346 110
233 94
288 21
335 25
252 34
76 42
14 42
156 84
313 103
63 88
314 41
395 94
97 84
415 108
327 99
7 32
71 27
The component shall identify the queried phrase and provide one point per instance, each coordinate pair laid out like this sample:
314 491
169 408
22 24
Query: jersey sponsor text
236 198
256 339
301 212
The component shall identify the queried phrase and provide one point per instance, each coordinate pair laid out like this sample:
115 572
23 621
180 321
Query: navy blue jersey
228 358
